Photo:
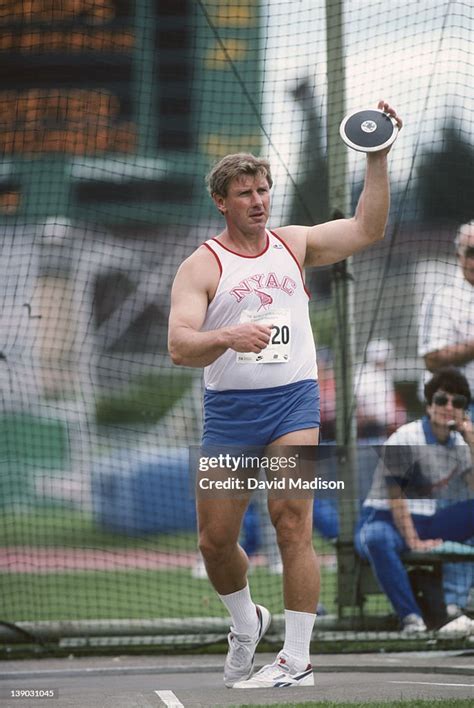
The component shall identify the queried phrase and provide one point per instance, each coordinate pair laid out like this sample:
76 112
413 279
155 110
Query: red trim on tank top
241 255
215 256
295 260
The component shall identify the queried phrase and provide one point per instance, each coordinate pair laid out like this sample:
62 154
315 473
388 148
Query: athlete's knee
293 527
216 547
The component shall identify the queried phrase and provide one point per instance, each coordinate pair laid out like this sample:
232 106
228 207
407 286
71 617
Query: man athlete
239 309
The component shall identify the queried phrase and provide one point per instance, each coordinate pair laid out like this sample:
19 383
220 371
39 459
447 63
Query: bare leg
293 521
219 522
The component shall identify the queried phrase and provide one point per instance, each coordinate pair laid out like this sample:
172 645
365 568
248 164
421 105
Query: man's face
247 204
466 255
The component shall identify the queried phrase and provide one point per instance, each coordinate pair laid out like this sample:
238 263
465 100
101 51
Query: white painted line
169 699
432 683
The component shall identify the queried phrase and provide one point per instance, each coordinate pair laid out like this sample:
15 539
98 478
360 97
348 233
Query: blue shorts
257 417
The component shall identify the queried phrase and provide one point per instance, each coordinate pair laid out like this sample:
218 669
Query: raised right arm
193 288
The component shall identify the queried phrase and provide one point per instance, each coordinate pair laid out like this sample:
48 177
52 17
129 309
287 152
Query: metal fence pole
342 291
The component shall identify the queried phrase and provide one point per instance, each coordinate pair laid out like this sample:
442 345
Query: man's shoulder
295 238
201 254
202 266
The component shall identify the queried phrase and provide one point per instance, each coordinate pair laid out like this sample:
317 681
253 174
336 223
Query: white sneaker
279 675
453 611
413 624
241 654
460 627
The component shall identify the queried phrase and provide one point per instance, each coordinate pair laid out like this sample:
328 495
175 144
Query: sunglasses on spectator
468 252
458 400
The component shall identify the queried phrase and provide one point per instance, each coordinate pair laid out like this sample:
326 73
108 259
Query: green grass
125 593
70 528
416 703
128 594
106 595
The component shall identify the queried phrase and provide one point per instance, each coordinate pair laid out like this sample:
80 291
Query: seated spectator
400 514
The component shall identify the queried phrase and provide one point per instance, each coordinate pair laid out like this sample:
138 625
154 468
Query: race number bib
278 349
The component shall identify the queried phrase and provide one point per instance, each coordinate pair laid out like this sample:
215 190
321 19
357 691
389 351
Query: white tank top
266 288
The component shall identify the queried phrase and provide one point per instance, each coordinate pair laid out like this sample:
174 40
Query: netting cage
112 113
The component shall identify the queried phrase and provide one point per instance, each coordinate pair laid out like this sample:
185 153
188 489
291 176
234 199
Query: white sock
242 610
298 631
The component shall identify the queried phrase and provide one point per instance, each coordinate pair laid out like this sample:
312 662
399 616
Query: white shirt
440 465
267 288
375 394
447 318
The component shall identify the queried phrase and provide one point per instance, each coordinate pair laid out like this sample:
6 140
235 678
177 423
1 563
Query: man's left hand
389 110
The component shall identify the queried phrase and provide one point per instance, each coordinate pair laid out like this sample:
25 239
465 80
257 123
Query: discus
368 130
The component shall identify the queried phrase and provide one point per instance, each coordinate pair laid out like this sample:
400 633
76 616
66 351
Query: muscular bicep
334 241
189 301
324 244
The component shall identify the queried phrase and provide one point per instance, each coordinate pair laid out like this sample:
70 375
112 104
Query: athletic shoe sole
265 619
284 680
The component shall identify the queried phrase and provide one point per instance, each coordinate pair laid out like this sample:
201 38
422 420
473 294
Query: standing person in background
375 392
239 308
446 333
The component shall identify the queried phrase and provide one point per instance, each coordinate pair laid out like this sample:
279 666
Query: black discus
368 130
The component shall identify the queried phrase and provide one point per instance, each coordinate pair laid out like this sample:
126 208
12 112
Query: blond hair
233 166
